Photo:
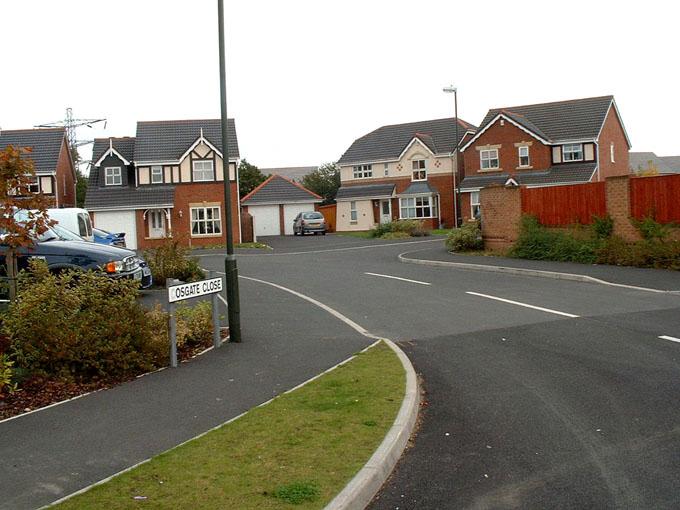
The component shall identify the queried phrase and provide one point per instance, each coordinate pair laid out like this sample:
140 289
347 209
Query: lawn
362 234
298 451
441 231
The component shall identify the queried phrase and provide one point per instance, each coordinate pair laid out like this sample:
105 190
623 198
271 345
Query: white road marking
540 308
671 338
398 278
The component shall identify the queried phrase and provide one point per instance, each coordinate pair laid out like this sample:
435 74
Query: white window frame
415 207
202 171
418 170
198 217
34 185
519 153
485 156
573 149
362 171
158 174
611 152
475 204
387 169
114 177
353 212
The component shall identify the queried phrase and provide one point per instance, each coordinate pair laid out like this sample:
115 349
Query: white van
74 219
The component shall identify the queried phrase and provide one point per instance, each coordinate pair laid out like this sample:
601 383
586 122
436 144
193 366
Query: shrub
466 238
172 260
651 230
395 235
195 322
603 226
413 228
81 326
7 384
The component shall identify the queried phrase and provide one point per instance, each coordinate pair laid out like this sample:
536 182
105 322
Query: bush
7 384
412 228
652 230
196 323
80 326
603 227
172 260
395 235
466 238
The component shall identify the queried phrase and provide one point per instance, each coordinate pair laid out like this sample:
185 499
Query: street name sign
194 289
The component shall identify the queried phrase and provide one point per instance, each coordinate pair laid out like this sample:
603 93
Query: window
34 185
387 169
419 171
489 159
572 152
475 209
353 211
362 171
205 221
418 207
112 176
203 170
524 156
611 152
156 174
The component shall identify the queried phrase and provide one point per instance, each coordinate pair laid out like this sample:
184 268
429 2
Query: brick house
167 180
566 142
52 161
401 171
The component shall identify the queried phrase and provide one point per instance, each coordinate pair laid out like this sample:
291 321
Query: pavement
540 392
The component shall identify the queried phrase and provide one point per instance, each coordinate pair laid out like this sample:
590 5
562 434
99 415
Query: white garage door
119 221
265 220
290 211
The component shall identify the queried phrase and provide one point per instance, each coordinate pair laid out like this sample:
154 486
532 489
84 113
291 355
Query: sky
306 78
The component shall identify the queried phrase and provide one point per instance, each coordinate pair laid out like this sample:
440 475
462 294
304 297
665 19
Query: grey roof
295 173
367 191
388 142
571 173
641 160
419 188
168 140
673 162
45 143
279 190
563 120
125 146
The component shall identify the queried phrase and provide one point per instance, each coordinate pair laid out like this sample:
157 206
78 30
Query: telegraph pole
230 269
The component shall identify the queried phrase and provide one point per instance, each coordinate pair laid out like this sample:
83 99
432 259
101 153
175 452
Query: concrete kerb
526 272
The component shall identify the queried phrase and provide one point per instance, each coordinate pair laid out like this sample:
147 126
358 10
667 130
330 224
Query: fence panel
658 197
329 212
558 206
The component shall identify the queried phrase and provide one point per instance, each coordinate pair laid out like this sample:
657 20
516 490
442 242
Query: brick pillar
501 215
617 193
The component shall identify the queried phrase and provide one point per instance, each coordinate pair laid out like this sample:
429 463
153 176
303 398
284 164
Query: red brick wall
612 132
64 181
617 191
501 214
465 211
194 193
506 136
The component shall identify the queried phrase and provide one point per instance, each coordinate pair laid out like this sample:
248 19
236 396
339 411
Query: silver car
309 222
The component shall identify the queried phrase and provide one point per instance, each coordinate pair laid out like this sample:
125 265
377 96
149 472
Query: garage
275 202
118 221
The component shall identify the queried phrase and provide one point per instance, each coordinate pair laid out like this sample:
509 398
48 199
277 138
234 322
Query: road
540 392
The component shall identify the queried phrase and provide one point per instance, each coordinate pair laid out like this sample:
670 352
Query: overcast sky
305 78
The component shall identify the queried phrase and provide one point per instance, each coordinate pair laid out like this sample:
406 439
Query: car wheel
323 233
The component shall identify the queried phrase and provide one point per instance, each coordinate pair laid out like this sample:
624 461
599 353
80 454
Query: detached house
401 171
168 180
55 173
549 144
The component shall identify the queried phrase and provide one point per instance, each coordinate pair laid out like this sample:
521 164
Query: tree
16 177
324 181
249 178
81 188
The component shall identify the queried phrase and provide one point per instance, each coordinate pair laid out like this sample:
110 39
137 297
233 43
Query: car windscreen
65 234
312 216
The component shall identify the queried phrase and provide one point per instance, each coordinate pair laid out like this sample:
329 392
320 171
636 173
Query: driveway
540 392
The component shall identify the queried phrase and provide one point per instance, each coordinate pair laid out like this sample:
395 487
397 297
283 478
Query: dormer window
362 171
488 159
524 156
113 176
572 152
203 170
156 174
419 170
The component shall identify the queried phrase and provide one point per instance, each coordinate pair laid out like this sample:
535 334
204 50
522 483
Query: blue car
108 238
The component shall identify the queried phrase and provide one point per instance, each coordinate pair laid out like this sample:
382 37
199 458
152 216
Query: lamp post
230 269
456 192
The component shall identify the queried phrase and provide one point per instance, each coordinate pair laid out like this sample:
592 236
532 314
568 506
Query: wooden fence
565 205
658 197
329 212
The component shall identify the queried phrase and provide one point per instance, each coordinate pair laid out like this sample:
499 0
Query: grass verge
301 449
361 234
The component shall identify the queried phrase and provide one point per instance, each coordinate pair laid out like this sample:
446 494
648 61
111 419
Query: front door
385 211
156 224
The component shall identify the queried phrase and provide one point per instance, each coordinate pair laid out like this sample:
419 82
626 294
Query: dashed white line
398 278
525 305
671 338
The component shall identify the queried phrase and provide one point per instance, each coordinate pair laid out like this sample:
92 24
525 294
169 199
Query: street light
230 269
456 192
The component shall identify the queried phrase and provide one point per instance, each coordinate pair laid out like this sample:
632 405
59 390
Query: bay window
418 207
